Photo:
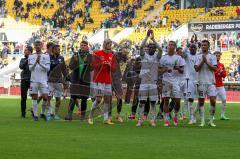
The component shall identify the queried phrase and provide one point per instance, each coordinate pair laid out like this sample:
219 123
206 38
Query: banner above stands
214 26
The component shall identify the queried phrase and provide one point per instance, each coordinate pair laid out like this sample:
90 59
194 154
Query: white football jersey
190 59
149 68
182 76
39 72
170 62
205 75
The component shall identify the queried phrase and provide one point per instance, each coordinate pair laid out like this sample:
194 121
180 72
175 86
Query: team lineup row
179 73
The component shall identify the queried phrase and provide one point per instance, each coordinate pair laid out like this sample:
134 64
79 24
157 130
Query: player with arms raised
149 76
190 81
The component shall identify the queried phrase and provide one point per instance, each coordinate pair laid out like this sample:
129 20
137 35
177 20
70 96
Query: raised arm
143 45
115 45
185 52
159 55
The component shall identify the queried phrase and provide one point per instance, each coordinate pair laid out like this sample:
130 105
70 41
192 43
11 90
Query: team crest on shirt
210 60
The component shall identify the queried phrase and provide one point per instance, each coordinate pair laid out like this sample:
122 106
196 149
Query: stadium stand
220 14
81 17
88 15
3 9
32 11
167 20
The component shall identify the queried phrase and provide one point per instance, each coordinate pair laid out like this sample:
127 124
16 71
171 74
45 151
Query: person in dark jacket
137 82
80 79
121 57
128 77
25 79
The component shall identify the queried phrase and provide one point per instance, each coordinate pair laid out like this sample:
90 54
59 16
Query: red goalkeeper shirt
103 65
220 73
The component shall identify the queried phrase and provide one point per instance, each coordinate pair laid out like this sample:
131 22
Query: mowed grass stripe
23 138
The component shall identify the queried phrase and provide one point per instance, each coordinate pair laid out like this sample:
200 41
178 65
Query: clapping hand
204 58
38 59
75 57
152 35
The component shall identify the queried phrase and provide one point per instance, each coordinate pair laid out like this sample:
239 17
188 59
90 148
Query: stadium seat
228 13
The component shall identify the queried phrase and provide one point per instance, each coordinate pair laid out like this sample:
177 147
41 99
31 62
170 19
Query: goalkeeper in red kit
220 73
104 63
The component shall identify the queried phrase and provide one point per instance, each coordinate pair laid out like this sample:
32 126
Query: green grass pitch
26 139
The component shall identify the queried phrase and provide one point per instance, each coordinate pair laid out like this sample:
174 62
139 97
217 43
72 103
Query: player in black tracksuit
25 79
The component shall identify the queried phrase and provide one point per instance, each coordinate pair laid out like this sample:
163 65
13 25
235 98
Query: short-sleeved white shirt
149 69
39 74
205 75
190 59
169 62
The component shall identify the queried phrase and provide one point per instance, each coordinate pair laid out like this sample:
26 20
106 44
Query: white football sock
191 110
166 116
141 111
106 111
35 107
105 116
185 108
196 109
201 108
51 107
153 111
212 112
94 106
223 108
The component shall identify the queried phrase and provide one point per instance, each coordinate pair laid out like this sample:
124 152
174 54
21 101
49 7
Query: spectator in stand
5 51
151 7
172 26
2 25
238 12
164 21
5 62
168 6
1 64
3 10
